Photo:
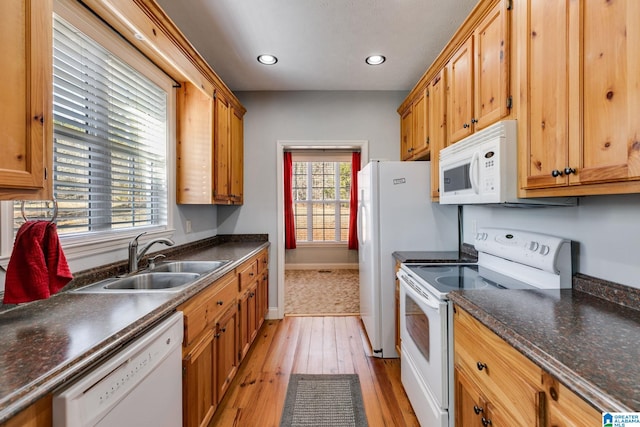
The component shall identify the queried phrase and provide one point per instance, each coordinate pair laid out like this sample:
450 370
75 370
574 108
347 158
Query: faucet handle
151 263
134 241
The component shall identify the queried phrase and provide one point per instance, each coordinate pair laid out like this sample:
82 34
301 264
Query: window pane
319 216
110 138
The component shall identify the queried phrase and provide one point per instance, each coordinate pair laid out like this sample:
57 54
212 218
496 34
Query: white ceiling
320 44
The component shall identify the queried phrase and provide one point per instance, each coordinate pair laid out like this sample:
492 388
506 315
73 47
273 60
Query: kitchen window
111 118
321 198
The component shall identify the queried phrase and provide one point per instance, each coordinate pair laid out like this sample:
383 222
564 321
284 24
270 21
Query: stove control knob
533 246
544 250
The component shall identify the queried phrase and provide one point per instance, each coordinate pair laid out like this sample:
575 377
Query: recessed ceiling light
267 59
375 59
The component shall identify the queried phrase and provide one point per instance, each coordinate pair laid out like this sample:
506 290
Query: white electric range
507 259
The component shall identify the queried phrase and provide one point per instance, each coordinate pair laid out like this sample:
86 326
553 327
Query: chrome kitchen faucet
135 256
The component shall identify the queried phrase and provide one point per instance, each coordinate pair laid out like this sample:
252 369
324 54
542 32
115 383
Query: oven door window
417 324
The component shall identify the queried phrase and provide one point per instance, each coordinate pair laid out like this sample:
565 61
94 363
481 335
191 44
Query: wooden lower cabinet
226 351
497 385
39 414
199 383
221 323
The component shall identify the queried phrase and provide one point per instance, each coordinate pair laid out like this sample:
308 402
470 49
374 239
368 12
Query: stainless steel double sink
169 276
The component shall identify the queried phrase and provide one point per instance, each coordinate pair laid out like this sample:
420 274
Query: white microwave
483 169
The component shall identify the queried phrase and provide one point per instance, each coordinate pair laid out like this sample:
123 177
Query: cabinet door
611 92
437 127
244 334
547 85
470 406
227 346
460 93
222 153
406 134
420 124
26 104
237 158
263 297
491 76
194 146
565 408
199 383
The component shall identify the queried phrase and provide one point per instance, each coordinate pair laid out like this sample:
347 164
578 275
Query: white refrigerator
395 213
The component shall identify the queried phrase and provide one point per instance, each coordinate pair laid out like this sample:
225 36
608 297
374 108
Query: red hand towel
37 268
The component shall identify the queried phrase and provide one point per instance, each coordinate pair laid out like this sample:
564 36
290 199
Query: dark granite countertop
588 343
47 343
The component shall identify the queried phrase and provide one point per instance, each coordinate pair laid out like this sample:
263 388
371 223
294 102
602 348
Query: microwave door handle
474 171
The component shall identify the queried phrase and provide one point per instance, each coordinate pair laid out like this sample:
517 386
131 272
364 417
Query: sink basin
153 281
199 267
143 282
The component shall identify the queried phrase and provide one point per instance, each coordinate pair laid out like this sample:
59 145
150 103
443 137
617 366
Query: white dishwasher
139 386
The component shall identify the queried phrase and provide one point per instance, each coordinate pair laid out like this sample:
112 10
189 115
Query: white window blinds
110 139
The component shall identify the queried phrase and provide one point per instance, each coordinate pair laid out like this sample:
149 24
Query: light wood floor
312 345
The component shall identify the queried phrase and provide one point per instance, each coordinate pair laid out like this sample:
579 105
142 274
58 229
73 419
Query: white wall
607 229
273 116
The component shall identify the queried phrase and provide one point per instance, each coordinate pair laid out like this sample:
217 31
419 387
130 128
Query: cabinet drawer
247 273
202 310
507 378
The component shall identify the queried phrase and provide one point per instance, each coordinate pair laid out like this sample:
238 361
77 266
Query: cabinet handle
569 171
481 366
224 329
477 409
466 125
474 121
219 302
486 422
251 274
556 173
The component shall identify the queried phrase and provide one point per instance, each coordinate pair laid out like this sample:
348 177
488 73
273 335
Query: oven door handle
425 298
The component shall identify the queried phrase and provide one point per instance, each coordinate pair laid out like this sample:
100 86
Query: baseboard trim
342 266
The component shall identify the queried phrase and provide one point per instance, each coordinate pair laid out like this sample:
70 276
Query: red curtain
353 202
289 222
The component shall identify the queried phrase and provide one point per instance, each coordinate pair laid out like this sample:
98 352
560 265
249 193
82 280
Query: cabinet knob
223 329
219 302
473 121
216 336
556 173
481 366
477 409
466 125
486 422
569 171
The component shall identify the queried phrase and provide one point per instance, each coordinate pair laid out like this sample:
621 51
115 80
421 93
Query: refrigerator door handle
360 218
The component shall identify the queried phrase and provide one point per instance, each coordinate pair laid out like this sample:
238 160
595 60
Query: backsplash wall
607 229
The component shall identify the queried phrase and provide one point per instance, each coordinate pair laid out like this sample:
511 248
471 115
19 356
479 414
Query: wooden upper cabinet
611 97
582 80
228 153
26 106
221 150
194 146
406 133
209 148
460 92
478 76
414 133
437 127
236 185
491 67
